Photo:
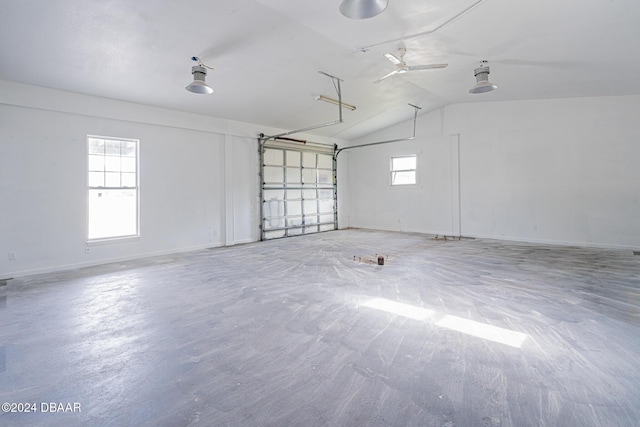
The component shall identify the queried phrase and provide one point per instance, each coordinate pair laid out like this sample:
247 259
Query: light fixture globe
199 85
362 9
483 87
483 84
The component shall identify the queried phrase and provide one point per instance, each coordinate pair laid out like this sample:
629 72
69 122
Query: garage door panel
310 206
298 190
325 161
273 157
326 206
294 175
324 176
273 175
309 159
310 176
274 234
310 219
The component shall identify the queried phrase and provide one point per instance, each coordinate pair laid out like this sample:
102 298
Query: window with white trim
403 170
113 188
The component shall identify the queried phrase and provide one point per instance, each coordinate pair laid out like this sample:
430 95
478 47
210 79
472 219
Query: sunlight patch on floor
455 323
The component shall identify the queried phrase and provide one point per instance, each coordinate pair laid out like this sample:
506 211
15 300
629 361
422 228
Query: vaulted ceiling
267 54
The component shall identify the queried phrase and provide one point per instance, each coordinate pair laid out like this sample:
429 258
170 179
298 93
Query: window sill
111 240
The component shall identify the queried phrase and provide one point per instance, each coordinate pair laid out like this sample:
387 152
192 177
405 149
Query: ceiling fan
402 67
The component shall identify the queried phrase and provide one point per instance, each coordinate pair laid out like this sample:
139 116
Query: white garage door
298 189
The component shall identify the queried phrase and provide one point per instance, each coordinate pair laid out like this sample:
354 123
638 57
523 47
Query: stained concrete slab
301 332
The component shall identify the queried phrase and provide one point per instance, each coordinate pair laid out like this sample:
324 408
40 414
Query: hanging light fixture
362 9
335 102
482 79
199 72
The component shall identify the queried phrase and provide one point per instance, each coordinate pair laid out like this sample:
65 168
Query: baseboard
57 268
594 245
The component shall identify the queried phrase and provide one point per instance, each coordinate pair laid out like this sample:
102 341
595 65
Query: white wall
426 207
199 180
557 171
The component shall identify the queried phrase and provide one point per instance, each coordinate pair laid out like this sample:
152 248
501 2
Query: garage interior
425 217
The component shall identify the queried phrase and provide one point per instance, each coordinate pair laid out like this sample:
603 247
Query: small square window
403 170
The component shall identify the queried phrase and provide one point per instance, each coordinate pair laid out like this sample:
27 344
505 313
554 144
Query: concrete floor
307 332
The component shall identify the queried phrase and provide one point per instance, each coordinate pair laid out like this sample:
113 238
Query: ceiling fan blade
426 67
394 59
388 75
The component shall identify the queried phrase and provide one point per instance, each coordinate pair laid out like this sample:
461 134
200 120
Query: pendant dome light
362 9
199 73
482 79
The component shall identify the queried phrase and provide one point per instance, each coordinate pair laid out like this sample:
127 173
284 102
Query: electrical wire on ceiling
424 33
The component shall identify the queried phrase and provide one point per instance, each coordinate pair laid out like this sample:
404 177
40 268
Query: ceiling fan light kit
482 79
362 9
199 85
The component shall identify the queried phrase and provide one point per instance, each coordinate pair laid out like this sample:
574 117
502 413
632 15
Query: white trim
503 238
22 273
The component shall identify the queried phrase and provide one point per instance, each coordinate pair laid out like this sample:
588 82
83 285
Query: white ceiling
267 54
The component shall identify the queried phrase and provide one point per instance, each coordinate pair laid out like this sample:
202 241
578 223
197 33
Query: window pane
112 148
309 194
96 163
96 146
403 163
129 180
403 178
96 179
128 164
112 213
112 163
112 179
128 148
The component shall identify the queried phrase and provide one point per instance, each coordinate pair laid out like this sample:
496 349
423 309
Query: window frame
135 188
392 171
